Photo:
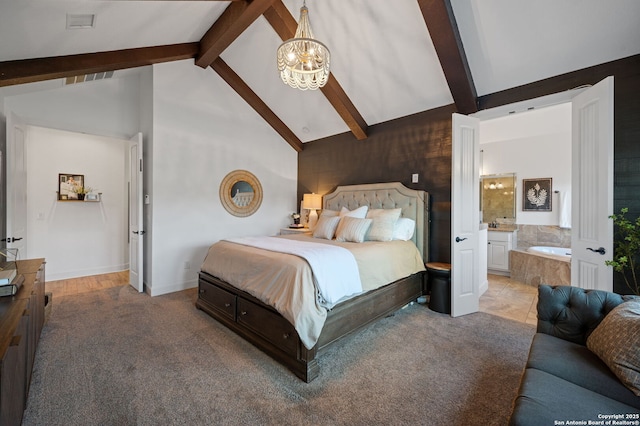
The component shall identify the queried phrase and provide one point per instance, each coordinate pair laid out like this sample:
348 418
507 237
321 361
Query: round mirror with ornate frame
241 193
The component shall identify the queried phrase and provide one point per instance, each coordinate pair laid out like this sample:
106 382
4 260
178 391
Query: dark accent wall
421 143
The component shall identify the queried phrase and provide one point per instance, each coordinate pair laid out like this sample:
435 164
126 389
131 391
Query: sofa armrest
572 313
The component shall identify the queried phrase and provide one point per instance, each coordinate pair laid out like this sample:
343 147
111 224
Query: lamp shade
312 201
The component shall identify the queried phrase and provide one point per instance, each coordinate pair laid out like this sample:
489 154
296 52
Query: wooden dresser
21 321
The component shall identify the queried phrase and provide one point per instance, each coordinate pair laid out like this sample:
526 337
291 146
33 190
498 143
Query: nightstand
295 231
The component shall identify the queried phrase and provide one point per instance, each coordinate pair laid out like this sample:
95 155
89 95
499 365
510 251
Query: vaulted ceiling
390 58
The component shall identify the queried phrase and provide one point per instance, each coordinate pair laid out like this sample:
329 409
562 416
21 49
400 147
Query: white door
592 187
136 231
16 186
465 216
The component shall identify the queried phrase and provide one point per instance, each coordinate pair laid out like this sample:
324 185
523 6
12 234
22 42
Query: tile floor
510 299
505 297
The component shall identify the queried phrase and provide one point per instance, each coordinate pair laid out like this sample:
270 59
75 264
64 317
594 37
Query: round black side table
439 280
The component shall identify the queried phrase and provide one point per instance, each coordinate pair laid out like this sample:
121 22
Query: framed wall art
536 196
68 183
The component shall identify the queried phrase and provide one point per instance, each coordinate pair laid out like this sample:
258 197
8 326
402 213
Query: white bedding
334 268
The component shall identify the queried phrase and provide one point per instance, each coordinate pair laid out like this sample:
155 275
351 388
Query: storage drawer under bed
269 324
219 299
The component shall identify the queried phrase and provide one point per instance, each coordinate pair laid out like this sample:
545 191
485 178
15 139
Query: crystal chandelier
302 61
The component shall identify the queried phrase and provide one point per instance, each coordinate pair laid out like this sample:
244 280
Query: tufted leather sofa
564 381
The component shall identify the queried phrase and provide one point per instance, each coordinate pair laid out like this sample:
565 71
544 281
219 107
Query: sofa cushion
617 342
544 398
578 365
572 313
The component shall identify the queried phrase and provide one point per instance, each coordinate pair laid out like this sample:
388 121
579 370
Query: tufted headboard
392 195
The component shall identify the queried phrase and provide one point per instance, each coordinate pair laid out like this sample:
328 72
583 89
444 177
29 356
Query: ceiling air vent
79 22
88 77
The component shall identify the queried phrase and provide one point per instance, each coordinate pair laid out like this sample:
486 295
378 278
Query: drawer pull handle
202 291
226 305
285 336
243 313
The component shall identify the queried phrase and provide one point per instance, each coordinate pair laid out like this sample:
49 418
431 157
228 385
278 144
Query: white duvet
335 270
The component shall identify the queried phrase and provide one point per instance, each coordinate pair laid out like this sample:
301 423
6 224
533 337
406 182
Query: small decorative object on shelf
296 221
71 187
82 191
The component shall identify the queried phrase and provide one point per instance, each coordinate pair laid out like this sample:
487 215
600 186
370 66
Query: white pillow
326 227
330 213
383 224
352 229
404 228
360 212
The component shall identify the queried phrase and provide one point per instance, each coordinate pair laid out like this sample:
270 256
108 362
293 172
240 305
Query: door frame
550 100
5 167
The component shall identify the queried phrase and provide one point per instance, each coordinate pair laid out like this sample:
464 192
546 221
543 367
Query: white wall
92 110
533 144
105 107
191 142
196 143
76 238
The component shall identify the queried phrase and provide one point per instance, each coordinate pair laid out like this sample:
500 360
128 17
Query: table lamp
312 202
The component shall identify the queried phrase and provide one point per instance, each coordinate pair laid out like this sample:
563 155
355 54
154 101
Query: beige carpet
116 357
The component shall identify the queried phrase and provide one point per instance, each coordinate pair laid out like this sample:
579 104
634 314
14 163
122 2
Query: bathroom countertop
504 228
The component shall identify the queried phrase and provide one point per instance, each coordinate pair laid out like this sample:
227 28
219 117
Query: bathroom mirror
498 197
241 193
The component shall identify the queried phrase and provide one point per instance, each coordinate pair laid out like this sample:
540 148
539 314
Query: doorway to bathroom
576 143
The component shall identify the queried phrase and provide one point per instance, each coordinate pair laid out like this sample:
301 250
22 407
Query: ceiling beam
442 26
256 103
40 69
236 18
285 25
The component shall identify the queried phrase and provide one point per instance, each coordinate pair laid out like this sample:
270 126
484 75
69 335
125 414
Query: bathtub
541 265
562 252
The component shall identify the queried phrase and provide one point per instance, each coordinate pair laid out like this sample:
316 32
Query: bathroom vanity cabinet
499 243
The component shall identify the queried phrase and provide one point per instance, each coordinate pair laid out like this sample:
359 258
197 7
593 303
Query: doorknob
10 240
601 250
458 239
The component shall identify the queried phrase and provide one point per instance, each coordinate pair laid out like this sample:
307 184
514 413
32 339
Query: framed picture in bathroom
537 195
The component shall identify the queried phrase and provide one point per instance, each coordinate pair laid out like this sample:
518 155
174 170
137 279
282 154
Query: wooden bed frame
265 328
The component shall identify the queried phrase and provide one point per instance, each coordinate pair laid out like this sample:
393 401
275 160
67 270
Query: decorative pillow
404 228
360 212
326 227
330 213
352 229
617 342
384 221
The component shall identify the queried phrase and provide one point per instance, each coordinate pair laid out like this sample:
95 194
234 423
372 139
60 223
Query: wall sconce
312 202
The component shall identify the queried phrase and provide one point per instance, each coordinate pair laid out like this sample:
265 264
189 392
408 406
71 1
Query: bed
269 329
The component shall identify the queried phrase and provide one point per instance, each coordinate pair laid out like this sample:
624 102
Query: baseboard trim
159 291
